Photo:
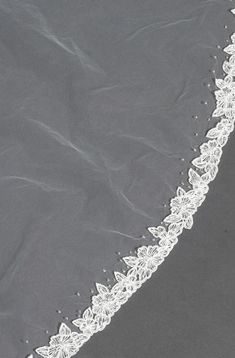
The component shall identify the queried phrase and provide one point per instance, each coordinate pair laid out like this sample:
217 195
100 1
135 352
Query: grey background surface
97 110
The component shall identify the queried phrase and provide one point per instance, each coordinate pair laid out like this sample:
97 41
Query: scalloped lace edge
66 343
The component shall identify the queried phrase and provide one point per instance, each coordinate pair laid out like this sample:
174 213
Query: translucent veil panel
103 106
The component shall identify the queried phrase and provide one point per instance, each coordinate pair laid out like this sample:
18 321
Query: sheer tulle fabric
183 206
107 150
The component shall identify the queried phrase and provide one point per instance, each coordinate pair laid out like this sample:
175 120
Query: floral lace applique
63 345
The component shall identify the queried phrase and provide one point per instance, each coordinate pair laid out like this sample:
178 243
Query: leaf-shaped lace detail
43 351
230 49
101 288
130 261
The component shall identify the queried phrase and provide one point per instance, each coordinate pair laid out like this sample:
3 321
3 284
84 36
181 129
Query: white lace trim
183 206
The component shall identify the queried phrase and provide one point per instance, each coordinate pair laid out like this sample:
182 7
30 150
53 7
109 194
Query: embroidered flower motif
221 131
146 262
129 283
199 182
106 302
168 237
64 345
209 159
87 324
225 97
149 258
183 206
